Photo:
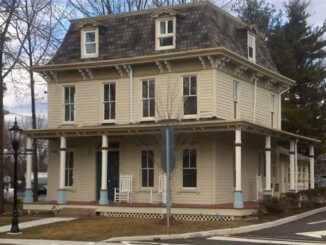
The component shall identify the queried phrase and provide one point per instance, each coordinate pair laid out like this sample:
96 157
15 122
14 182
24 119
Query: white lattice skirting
199 217
134 215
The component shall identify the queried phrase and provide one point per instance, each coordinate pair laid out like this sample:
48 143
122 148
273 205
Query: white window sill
89 56
109 121
195 116
165 48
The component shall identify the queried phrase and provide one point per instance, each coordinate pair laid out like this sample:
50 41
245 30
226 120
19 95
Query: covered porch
227 167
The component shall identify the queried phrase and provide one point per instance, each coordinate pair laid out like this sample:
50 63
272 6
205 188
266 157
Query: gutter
280 107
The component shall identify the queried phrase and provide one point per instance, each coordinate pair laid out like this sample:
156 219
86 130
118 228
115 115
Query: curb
222 232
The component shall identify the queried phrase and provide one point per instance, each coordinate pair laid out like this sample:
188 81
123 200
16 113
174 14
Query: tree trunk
1 136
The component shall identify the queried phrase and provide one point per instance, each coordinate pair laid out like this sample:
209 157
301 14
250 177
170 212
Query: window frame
189 168
147 169
253 36
69 104
112 120
83 43
273 111
158 34
148 118
189 95
235 99
69 169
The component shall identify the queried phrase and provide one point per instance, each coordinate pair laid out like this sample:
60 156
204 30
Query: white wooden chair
123 193
161 192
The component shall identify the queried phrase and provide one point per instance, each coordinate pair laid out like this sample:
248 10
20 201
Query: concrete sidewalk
49 242
28 224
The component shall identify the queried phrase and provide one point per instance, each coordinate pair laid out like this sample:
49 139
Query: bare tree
9 54
38 31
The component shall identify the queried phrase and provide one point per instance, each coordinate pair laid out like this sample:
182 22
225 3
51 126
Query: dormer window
165 33
251 46
89 46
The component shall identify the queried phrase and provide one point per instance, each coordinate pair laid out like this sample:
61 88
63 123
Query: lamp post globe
15 133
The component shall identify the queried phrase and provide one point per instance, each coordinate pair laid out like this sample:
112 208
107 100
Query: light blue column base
104 198
238 199
62 197
268 193
28 196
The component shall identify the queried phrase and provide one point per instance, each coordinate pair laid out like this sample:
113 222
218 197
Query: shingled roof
201 25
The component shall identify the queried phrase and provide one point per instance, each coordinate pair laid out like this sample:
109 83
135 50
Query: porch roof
149 128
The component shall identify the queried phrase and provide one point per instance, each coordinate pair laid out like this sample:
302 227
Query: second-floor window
147 168
189 95
251 46
90 43
165 33
69 168
109 101
69 103
235 99
148 97
272 110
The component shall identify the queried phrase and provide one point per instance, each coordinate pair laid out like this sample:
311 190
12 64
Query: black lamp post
15 133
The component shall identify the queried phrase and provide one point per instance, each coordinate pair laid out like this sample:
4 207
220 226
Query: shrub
270 205
290 200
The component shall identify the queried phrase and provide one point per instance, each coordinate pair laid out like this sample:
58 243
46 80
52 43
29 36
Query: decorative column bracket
240 70
119 70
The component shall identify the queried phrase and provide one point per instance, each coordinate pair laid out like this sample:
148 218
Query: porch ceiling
155 128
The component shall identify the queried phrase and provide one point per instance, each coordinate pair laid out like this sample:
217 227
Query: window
165 33
148 96
109 101
189 168
90 43
251 47
272 109
235 99
69 180
189 95
147 168
69 103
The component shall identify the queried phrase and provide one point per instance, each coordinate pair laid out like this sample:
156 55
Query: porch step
75 212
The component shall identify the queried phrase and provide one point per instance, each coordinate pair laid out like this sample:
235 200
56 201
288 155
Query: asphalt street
310 230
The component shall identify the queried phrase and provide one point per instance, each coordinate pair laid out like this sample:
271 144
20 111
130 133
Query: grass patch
7 220
101 228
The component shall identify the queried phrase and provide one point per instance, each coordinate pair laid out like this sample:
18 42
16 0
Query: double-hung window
147 168
272 110
235 99
189 168
69 103
90 43
189 95
69 168
109 101
251 46
165 33
148 97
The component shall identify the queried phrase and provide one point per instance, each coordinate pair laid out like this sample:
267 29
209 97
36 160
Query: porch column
292 160
28 191
312 167
104 188
62 190
268 189
238 199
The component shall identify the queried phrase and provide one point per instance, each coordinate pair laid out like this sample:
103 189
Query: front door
112 173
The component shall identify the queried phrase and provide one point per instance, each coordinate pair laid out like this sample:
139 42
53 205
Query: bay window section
109 101
147 168
189 95
148 98
189 168
69 103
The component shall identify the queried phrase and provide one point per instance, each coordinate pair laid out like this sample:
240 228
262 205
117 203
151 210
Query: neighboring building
117 80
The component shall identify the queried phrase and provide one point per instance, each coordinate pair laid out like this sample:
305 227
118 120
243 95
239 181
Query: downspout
255 101
296 164
280 107
131 92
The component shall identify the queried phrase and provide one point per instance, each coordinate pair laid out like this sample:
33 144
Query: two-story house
117 80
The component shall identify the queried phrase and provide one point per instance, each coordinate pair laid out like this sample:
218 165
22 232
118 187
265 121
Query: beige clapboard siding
246 103
89 98
54 104
224 95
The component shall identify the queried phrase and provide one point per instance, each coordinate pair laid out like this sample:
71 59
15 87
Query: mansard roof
199 26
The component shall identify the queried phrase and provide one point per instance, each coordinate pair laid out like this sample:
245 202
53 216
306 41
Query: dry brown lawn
101 228
7 220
